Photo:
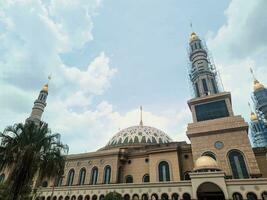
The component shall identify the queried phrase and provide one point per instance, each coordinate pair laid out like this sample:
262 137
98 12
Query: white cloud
238 45
33 34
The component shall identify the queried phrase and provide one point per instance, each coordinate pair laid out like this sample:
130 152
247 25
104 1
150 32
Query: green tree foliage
30 150
113 196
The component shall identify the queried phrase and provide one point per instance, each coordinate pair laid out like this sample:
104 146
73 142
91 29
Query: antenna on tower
252 73
49 77
141 116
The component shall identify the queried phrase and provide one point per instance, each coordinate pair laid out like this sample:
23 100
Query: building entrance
209 191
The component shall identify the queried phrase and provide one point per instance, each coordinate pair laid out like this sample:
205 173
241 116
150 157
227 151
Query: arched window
186 196
264 196
146 178
154 197
107 174
251 196
164 171
126 197
94 197
67 198
70 177
210 154
238 165
60 198
237 196
73 197
82 176
144 197
54 198
164 196
102 197
87 197
175 196
94 176
58 181
135 197
2 178
80 197
129 179
48 198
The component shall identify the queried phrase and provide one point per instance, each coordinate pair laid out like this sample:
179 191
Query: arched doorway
209 191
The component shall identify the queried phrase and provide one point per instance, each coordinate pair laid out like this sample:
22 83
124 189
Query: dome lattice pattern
139 135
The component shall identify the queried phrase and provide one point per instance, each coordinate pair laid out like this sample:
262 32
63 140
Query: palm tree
30 150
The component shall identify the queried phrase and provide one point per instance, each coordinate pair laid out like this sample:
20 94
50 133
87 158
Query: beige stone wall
137 168
187 162
89 164
262 163
172 159
232 140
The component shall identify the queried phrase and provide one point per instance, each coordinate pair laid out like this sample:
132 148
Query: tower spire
252 73
39 104
202 72
141 116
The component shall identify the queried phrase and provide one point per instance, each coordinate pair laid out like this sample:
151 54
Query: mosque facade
143 163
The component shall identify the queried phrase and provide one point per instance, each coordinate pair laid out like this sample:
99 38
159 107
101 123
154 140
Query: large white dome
138 135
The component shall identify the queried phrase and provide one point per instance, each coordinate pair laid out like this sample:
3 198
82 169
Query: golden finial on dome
193 37
253 116
257 85
45 88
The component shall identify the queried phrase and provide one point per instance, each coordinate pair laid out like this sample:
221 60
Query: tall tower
216 131
258 131
259 98
39 105
202 73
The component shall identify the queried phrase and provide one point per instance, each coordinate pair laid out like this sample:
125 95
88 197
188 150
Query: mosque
142 162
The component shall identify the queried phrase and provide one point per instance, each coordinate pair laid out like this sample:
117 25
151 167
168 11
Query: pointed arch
238 164
70 177
107 174
82 176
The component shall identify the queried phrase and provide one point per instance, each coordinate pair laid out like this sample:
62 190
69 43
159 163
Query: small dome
257 85
205 163
45 88
253 116
138 135
193 37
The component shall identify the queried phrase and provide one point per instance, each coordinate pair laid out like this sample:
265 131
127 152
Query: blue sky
108 57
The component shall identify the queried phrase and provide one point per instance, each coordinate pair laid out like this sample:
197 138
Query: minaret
260 98
202 74
39 105
215 130
258 131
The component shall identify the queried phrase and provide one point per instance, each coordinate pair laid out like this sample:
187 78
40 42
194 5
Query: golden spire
257 85
141 116
193 37
45 88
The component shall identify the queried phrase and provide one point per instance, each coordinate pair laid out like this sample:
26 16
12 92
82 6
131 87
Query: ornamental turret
202 72
39 105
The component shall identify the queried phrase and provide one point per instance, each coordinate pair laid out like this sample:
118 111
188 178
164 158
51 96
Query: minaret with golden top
259 97
39 105
216 131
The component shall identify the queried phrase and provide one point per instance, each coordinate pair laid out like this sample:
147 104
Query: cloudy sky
108 57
